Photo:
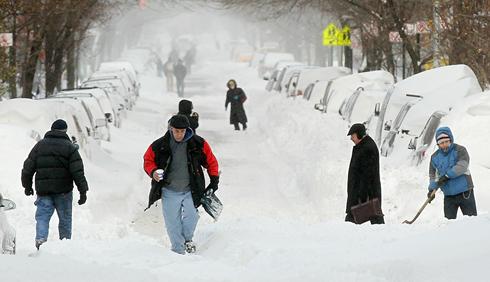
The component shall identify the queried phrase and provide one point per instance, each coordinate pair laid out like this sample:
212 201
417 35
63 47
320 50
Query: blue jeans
180 217
45 209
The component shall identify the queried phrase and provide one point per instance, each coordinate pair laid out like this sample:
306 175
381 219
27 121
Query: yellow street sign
333 36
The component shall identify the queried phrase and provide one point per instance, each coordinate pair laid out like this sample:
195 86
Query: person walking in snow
185 108
180 72
175 162
168 70
363 181
57 164
449 171
236 97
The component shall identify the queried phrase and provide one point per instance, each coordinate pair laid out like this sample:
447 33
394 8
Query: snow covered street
283 184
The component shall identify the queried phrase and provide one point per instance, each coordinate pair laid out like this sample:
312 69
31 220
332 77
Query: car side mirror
405 131
108 117
411 145
294 84
377 110
319 107
387 125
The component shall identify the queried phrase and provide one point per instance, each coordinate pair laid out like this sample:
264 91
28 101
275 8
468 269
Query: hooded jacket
236 97
454 164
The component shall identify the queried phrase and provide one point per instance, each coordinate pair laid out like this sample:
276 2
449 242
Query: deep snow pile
284 188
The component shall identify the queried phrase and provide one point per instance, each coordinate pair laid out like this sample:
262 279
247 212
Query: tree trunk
12 60
29 70
71 66
408 44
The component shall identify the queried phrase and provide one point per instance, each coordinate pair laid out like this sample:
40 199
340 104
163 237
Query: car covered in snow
355 96
307 76
435 98
94 111
267 63
437 90
7 231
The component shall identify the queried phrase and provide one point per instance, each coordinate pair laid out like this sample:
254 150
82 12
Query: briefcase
366 211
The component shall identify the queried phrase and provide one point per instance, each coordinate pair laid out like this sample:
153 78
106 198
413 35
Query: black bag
366 211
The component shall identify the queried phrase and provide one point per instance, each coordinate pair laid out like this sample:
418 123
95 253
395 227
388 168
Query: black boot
244 125
236 126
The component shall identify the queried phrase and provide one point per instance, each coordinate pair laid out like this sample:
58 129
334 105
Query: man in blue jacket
449 171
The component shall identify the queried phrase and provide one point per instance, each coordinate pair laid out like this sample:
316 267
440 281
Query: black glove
442 180
213 185
83 198
430 196
28 191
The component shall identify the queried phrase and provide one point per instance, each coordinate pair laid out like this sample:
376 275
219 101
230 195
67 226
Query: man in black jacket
56 163
364 181
185 108
180 72
175 162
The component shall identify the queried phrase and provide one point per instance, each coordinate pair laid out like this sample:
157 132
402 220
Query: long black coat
363 181
56 163
236 97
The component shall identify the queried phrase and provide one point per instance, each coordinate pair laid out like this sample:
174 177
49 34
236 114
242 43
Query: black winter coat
180 71
56 163
236 97
159 155
185 108
364 180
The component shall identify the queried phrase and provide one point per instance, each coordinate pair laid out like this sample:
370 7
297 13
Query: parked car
365 103
122 66
116 83
117 101
413 116
277 70
436 90
110 111
7 232
36 116
307 76
345 87
267 63
285 75
95 113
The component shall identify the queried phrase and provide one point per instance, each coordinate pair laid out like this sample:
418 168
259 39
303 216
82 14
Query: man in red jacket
175 162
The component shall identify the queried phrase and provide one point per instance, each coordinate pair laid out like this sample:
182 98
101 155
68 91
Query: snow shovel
212 205
432 195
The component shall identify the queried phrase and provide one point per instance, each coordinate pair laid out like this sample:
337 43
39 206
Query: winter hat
185 107
59 125
442 137
179 122
359 129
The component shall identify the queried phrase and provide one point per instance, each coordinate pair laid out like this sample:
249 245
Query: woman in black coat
236 97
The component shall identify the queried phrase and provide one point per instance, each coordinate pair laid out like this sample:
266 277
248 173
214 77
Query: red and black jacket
199 155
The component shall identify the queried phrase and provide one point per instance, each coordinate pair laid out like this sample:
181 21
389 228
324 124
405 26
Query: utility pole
435 37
